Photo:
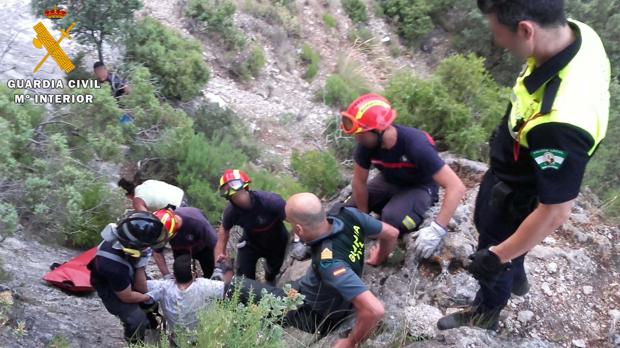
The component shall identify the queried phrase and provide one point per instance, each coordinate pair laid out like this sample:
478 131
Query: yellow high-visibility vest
582 99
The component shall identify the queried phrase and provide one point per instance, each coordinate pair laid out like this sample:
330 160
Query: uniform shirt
338 284
262 222
117 84
195 233
181 307
115 274
553 165
158 194
412 161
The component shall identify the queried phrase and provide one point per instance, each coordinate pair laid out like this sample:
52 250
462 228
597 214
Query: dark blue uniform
264 233
113 271
195 237
405 189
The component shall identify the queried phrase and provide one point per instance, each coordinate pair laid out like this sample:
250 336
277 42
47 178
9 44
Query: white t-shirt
181 307
158 194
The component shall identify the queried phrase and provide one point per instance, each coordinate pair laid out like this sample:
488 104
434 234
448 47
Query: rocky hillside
281 108
575 296
574 299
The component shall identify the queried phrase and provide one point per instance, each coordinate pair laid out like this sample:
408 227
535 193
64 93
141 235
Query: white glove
428 239
155 296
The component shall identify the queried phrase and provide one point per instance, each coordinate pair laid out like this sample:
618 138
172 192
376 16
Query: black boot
521 288
471 316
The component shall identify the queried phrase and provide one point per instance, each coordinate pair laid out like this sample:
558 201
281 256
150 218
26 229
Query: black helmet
140 230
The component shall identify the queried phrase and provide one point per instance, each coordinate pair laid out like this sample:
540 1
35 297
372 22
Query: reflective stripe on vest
582 97
116 258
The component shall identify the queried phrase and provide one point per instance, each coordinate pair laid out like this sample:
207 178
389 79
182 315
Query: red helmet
169 219
233 181
368 112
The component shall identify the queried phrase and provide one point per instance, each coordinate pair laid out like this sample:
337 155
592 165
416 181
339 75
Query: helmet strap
379 138
132 252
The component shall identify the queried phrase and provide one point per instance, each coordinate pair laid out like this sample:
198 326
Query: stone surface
422 320
525 316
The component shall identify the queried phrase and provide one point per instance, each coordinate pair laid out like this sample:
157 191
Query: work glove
428 239
487 267
154 296
144 259
218 274
220 270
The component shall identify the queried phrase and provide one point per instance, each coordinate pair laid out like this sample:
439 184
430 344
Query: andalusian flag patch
549 158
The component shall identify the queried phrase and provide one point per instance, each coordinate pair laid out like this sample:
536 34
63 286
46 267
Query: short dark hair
182 269
98 64
547 13
127 185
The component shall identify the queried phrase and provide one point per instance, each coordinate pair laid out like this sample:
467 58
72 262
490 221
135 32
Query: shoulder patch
327 254
549 158
340 271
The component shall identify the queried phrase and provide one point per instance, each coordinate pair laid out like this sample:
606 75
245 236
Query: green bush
318 171
340 143
251 325
603 173
8 219
65 199
148 111
311 58
282 184
175 62
362 38
329 21
210 120
345 85
275 13
395 50
217 16
338 92
356 10
59 195
197 162
410 17
93 129
471 35
459 106
250 64
18 126
88 209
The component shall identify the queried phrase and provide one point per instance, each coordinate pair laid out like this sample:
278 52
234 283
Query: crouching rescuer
118 270
411 172
332 286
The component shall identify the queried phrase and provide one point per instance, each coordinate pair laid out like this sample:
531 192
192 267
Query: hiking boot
521 288
471 316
